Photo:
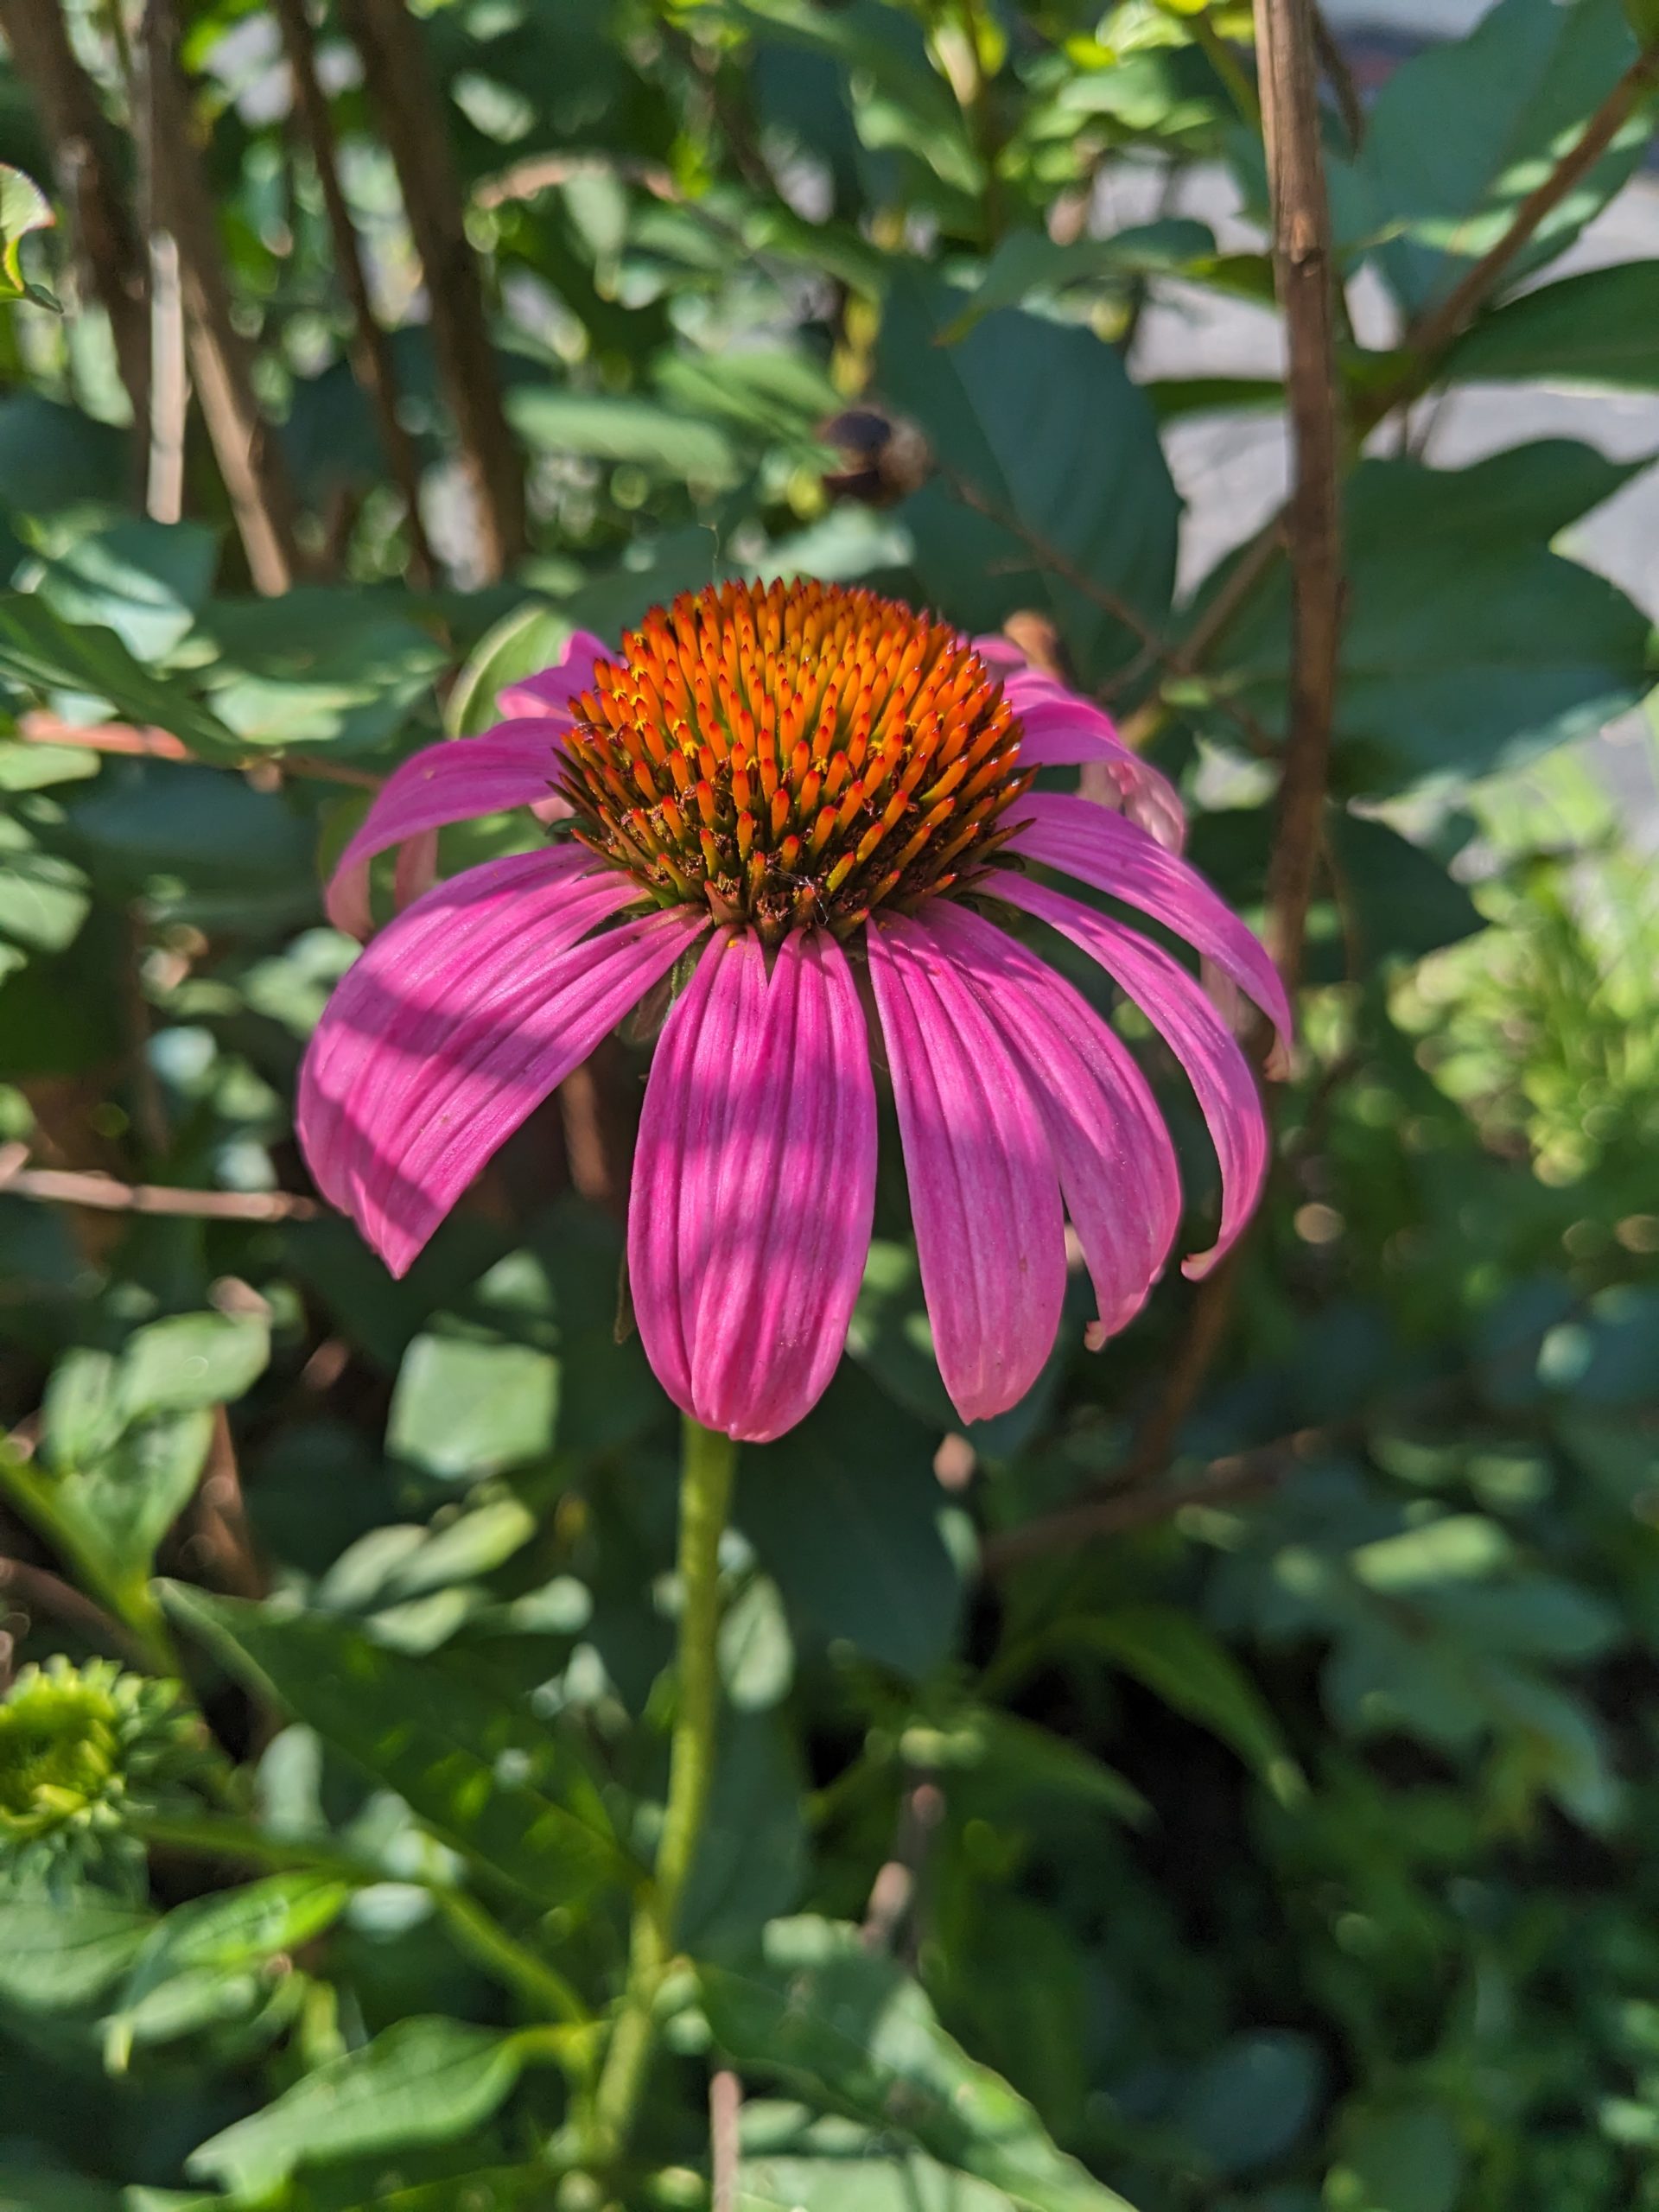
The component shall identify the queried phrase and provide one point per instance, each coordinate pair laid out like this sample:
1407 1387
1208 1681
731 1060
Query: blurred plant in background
1227 1779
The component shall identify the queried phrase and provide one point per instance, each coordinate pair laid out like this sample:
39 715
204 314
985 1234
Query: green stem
707 1467
127 1597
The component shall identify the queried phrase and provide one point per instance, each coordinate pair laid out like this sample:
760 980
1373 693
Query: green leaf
854 2183
319 667
1469 643
898 101
190 1360
601 426
196 1965
425 2081
751 1856
1405 2160
23 208
57 1952
480 1771
1251 2101
851 2031
844 1512
462 1408
1461 133
522 643
1600 328
146 580
1180 1661
1049 471
43 653
1026 263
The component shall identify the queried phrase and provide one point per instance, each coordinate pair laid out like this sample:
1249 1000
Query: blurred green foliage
1290 1851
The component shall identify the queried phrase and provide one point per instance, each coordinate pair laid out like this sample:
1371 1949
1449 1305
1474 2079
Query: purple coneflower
784 793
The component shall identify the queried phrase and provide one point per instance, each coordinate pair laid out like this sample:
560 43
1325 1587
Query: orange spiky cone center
792 756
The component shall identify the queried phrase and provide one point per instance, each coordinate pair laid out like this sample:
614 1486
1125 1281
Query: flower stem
708 1464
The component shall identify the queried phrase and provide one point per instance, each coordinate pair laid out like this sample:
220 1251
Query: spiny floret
793 755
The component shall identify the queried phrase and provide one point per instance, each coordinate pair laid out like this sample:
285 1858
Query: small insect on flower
797 786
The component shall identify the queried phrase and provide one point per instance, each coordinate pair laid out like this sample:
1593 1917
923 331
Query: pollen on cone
794 751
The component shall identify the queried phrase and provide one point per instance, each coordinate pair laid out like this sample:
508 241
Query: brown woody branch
104 1194
1429 341
245 446
1303 268
413 117
371 351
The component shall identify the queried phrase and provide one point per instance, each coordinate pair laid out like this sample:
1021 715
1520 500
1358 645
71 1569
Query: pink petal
999 654
452 781
554 897
1116 1164
1172 1001
754 1184
984 1194
1061 729
555 690
462 1017
1111 853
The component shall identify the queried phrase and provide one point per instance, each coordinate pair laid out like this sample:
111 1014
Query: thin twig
897 1887
1303 271
725 2107
371 352
169 383
1121 1513
1154 646
37 1590
104 1194
1333 64
129 740
1435 330
525 180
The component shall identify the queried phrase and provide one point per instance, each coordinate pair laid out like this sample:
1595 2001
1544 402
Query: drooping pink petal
452 781
1177 1007
1112 855
554 690
985 1197
754 1184
1061 729
462 1017
1116 1164
557 895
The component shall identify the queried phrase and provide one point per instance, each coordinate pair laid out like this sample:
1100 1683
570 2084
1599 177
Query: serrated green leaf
424 2080
59 1953
851 2031
485 1775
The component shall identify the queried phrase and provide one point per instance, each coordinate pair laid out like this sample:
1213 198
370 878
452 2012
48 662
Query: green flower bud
80 1746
